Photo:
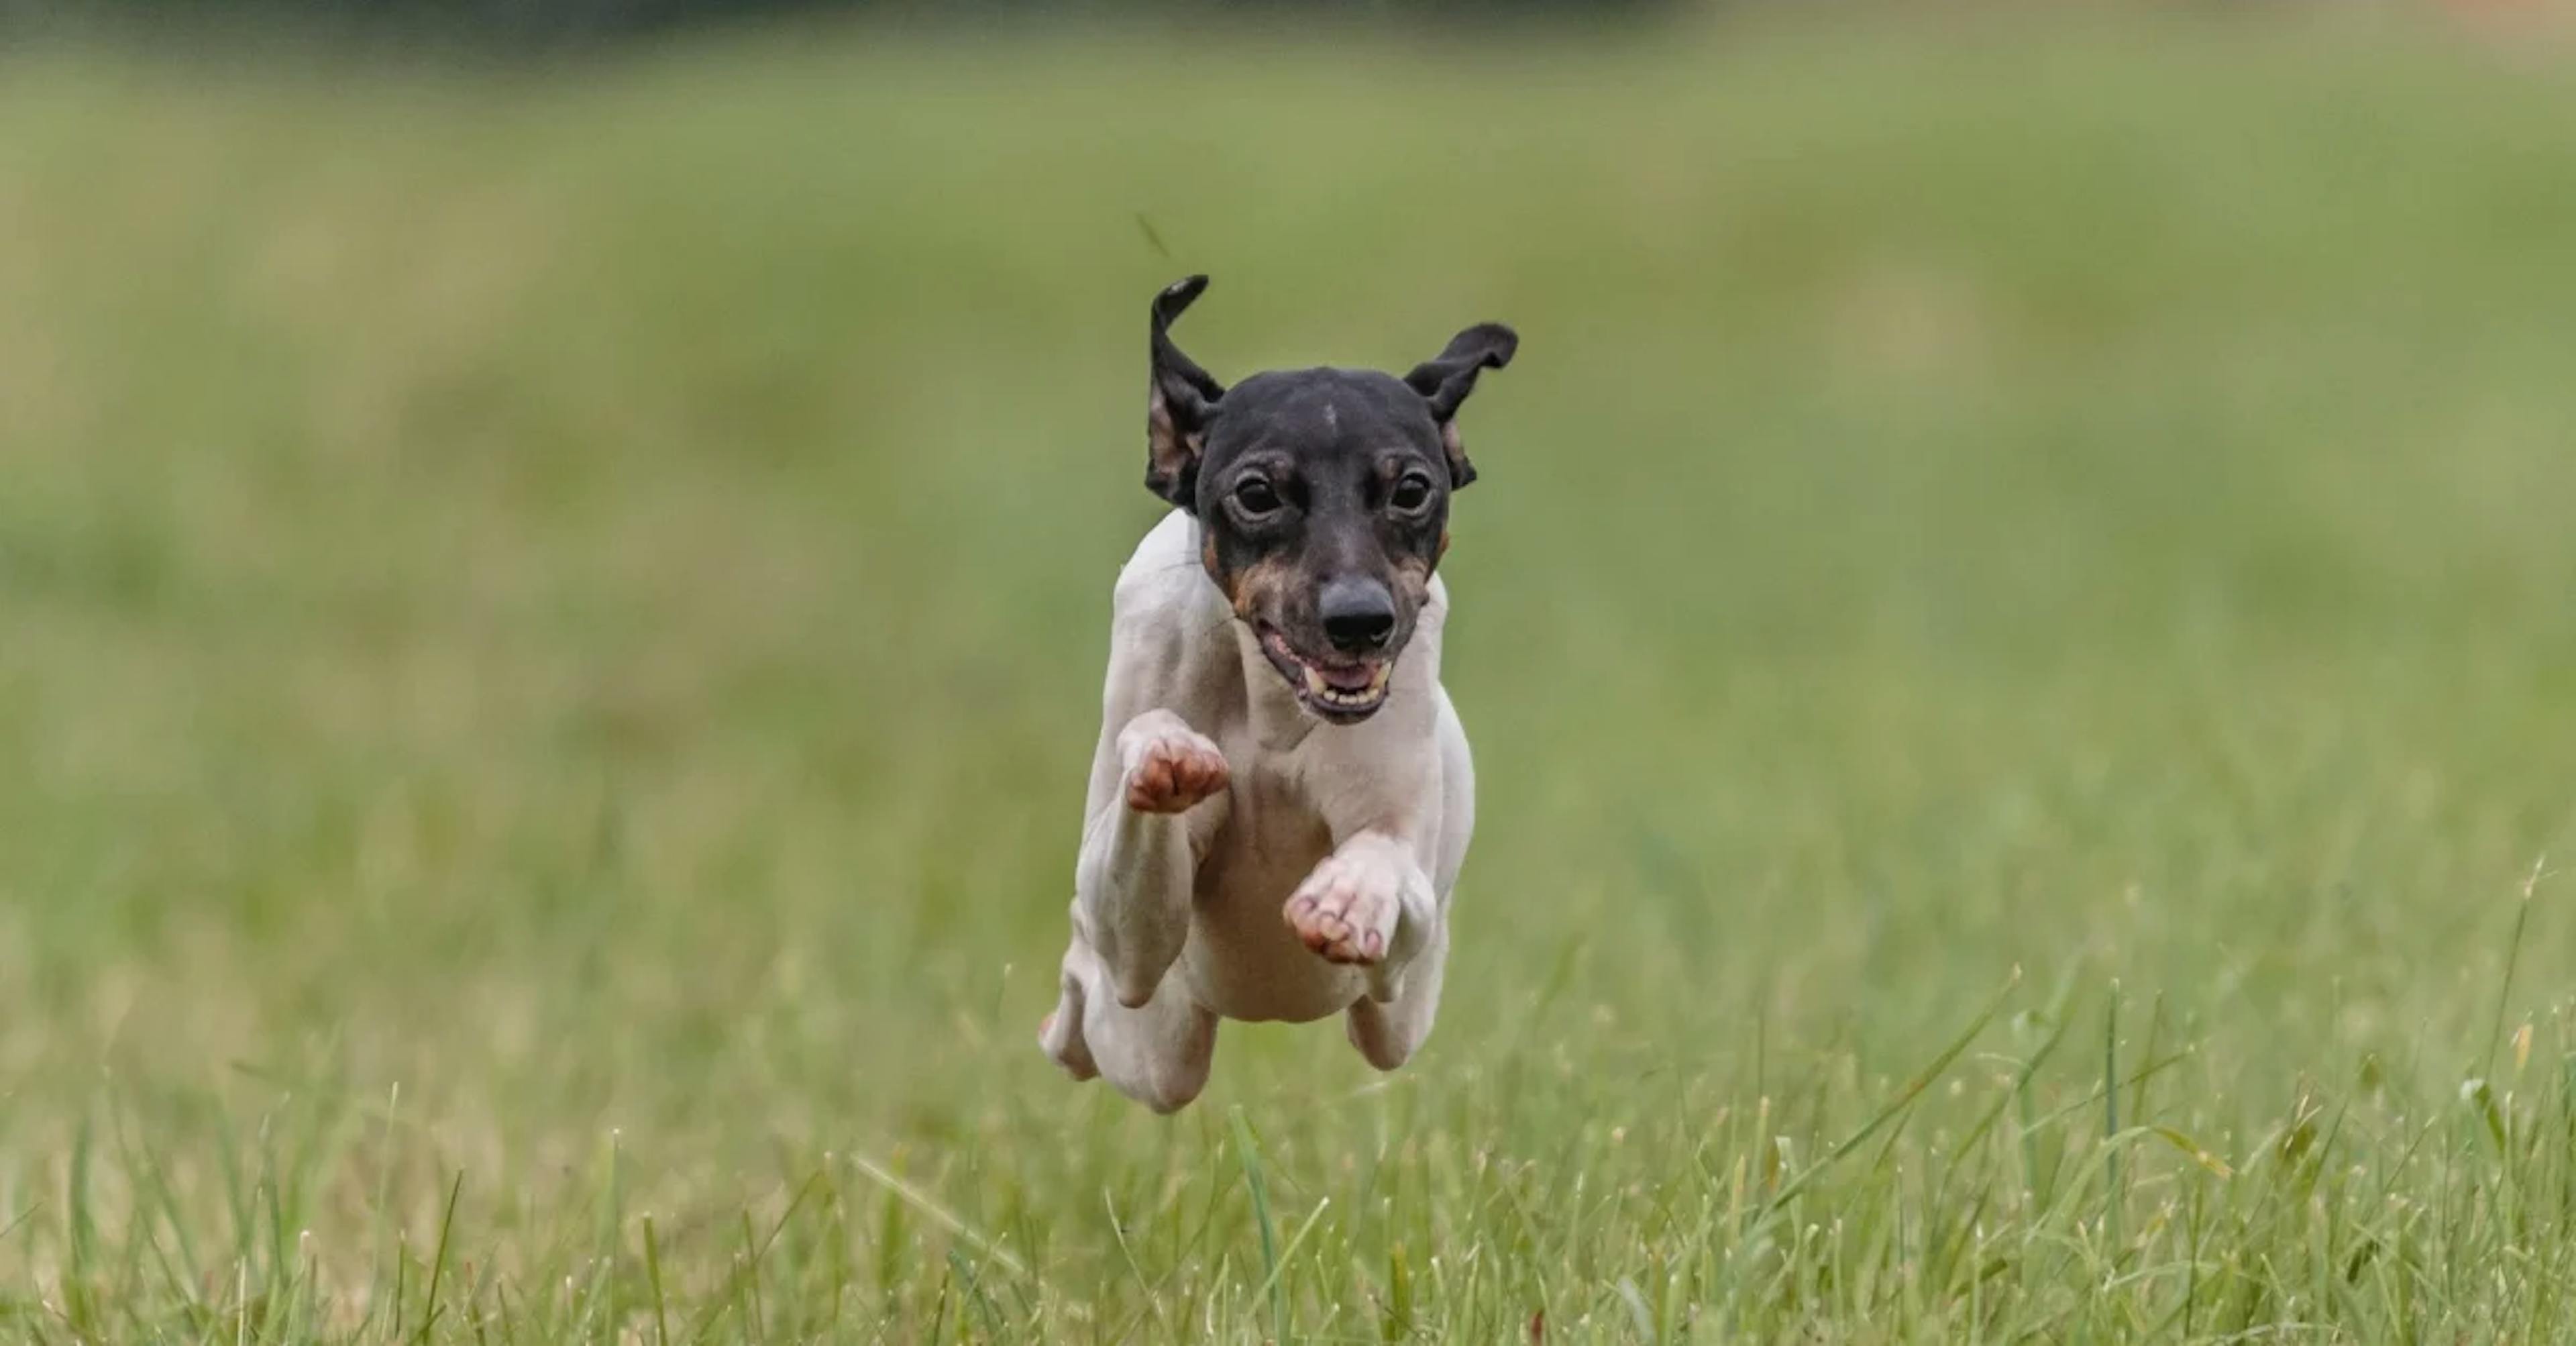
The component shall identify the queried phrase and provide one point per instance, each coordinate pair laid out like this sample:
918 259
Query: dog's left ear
1180 401
1445 382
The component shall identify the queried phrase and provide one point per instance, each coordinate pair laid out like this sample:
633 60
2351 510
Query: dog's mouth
1341 691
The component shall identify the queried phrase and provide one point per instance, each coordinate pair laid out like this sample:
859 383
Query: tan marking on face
1207 557
1260 590
1443 553
1413 578
1455 449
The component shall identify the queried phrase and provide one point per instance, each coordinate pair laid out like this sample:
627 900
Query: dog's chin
1336 692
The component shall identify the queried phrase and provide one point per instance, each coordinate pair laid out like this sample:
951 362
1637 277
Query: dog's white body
1312 878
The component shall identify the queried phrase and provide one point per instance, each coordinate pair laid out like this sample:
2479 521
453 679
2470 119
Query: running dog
1282 794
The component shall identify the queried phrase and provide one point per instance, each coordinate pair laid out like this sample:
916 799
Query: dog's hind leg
1060 1034
1388 1032
1156 1053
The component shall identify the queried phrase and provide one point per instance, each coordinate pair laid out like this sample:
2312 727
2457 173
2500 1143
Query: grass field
2019 627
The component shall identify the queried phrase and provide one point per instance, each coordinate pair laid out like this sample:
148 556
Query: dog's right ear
1180 402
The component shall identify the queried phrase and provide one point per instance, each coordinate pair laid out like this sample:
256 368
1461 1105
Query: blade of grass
1252 1181
920 1201
438 1260
653 1274
2512 957
2113 1196
1895 1107
1290 1249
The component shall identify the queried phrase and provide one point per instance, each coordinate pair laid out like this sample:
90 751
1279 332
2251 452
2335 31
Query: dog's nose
1359 614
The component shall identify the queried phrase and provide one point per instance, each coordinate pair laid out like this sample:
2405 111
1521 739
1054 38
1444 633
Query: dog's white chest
1243 961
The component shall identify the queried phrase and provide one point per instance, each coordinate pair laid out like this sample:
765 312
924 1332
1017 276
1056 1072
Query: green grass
2017 628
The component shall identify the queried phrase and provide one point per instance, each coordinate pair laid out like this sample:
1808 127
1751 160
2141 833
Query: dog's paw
1060 1037
1060 1033
1170 766
1346 911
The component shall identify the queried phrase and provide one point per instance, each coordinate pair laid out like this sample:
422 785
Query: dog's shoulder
1168 646
1163 583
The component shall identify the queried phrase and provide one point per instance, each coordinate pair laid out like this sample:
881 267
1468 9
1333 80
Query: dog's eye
1256 496
1411 493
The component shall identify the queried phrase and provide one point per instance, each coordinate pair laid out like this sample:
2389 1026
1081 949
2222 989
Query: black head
1322 496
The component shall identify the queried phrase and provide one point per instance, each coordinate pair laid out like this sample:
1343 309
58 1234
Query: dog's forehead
1316 410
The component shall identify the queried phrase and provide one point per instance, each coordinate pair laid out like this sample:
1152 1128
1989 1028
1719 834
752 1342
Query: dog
1282 794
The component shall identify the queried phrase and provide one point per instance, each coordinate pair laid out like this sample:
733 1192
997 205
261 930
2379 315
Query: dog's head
1322 496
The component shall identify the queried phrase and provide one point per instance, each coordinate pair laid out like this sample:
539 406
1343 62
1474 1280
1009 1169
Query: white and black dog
1282 794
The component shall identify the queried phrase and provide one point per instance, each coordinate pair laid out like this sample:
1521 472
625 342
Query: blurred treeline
572 24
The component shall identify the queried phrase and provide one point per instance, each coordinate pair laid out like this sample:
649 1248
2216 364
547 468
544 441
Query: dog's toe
1356 950
1060 1037
1173 772
1344 913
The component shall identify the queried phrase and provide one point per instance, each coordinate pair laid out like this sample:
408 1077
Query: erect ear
1182 398
1444 382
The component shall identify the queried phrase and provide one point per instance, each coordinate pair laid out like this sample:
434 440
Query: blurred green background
551 621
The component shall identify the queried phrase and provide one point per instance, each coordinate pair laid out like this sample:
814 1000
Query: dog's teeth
1315 683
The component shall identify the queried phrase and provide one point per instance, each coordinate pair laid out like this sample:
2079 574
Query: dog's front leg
1133 883
1369 904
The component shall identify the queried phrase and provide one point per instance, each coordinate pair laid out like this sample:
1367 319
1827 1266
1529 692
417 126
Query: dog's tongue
1354 679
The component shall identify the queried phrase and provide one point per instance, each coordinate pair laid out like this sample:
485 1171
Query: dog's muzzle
1340 691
